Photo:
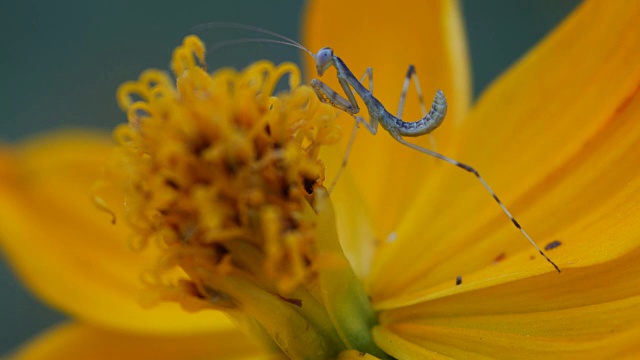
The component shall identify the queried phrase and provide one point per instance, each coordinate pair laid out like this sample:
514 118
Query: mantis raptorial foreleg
329 96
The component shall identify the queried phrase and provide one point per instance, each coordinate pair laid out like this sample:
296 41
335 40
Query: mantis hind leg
411 73
484 183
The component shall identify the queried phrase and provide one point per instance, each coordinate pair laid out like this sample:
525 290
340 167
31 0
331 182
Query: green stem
311 309
342 292
294 334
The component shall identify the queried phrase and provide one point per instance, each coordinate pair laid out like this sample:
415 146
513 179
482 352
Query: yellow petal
452 343
355 228
67 251
591 312
557 138
389 36
78 341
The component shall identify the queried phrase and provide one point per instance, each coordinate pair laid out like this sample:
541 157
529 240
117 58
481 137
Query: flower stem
340 289
293 332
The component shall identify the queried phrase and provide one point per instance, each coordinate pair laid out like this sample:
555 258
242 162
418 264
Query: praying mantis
378 114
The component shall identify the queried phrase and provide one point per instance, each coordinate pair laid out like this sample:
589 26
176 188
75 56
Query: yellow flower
556 136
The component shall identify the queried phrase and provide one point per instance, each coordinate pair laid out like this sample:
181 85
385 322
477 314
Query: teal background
63 60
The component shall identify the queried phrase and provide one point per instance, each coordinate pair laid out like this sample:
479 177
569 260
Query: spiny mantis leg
411 73
329 96
484 183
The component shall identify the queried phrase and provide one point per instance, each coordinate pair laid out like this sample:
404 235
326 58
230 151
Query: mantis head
324 60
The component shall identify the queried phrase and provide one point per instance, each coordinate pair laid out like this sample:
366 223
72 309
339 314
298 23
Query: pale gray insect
378 114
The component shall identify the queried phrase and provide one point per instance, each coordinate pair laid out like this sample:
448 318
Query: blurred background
63 61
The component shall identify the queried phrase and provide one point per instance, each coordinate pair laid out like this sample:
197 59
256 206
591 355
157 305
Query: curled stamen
280 71
185 56
128 92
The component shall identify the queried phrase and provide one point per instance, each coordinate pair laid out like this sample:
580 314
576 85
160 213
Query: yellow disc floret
224 178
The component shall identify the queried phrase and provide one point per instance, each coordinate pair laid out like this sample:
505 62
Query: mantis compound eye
323 57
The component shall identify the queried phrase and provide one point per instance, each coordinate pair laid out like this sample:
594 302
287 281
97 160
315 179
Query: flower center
225 179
